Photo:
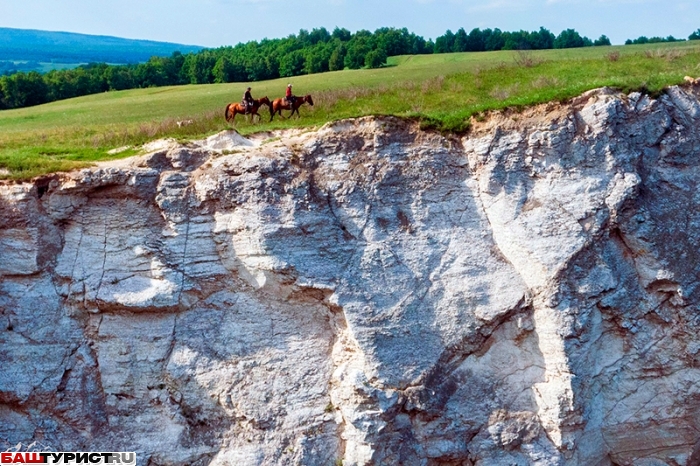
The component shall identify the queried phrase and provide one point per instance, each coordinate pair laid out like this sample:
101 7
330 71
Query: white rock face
368 293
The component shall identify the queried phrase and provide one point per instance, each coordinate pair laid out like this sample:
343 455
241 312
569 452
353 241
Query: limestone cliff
368 293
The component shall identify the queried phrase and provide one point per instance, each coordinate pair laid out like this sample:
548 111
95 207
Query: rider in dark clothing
247 100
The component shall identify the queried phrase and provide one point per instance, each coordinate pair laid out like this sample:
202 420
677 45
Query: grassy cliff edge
443 91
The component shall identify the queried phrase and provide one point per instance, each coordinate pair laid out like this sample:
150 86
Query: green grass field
443 91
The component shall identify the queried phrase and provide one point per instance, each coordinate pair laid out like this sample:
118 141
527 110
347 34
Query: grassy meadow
443 91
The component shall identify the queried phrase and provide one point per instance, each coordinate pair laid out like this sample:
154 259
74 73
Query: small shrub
613 56
432 84
669 55
545 81
675 54
525 59
499 93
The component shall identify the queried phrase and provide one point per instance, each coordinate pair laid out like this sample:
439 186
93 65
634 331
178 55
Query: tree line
307 52
655 40
494 39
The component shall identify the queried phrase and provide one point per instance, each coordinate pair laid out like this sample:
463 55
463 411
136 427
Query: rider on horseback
289 96
247 101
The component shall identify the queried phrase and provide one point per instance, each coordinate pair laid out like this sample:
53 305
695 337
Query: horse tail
226 112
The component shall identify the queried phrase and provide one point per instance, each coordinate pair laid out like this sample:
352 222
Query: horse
281 104
235 108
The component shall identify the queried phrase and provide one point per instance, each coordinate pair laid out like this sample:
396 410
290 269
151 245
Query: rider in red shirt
289 96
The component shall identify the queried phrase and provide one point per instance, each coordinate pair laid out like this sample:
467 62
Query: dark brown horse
281 104
235 108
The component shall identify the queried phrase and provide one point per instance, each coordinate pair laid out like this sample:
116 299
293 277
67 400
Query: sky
214 23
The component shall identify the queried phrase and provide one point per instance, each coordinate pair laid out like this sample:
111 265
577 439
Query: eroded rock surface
368 293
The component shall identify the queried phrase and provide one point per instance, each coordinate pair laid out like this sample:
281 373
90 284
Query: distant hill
58 49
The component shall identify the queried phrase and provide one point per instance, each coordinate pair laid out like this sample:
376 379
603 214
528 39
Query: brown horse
235 108
281 104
